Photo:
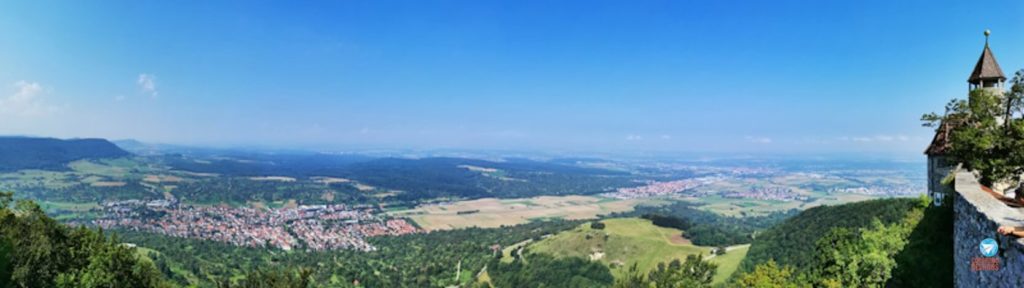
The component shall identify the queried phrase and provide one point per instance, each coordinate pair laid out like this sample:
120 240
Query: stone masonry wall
977 216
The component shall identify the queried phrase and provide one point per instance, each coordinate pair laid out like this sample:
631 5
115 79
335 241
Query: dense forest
875 243
706 228
17 153
788 242
37 251
414 179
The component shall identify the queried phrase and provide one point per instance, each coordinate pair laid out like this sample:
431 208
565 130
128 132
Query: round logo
988 247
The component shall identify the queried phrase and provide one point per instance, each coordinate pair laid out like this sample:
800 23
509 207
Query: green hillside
788 243
37 251
897 242
625 241
18 153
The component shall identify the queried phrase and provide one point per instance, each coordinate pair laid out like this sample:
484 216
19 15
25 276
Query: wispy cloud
27 101
632 137
758 140
147 83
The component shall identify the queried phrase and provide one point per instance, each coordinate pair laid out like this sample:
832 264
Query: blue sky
679 76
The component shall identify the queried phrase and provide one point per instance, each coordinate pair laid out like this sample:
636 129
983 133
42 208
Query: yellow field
496 212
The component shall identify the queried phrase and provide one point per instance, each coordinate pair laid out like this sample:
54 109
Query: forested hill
420 178
18 153
37 251
899 242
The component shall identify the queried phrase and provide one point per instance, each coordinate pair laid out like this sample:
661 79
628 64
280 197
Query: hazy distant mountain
18 153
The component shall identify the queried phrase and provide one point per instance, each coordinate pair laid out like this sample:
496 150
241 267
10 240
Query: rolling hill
625 241
17 153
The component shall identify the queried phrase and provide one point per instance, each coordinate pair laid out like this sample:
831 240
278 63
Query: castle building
986 75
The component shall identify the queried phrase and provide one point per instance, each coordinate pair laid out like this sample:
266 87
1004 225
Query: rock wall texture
977 216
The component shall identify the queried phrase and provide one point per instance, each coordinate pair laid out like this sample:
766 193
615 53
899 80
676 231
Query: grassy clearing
728 263
626 241
623 242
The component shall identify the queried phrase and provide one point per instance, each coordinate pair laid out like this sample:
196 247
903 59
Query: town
313 227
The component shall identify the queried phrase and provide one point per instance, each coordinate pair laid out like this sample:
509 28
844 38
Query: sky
655 76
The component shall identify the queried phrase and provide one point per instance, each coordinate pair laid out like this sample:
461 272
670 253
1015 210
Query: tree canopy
986 131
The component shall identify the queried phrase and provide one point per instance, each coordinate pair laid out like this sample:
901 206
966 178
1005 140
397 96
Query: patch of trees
596 225
788 242
985 132
85 193
17 153
37 251
668 221
706 228
693 272
542 270
891 243
241 190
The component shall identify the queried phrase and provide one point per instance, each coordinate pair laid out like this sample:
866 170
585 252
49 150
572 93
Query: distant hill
423 178
18 153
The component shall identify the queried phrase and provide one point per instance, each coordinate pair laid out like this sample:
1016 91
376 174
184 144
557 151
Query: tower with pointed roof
986 75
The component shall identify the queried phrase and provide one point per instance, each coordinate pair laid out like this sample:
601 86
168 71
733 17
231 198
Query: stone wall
977 216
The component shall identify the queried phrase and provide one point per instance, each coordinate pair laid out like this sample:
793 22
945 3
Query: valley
247 208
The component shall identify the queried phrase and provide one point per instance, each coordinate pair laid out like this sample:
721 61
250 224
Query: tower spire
987 72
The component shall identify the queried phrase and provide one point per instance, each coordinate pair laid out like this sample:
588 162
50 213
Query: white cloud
666 137
147 83
27 101
634 137
759 140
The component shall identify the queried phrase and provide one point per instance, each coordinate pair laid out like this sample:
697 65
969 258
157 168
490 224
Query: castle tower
986 75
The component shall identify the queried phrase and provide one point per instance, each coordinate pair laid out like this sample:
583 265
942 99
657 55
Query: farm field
755 207
492 212
625 241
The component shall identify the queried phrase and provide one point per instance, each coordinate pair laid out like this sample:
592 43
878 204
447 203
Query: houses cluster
660 188
777 193
318 227
318 236
881 190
